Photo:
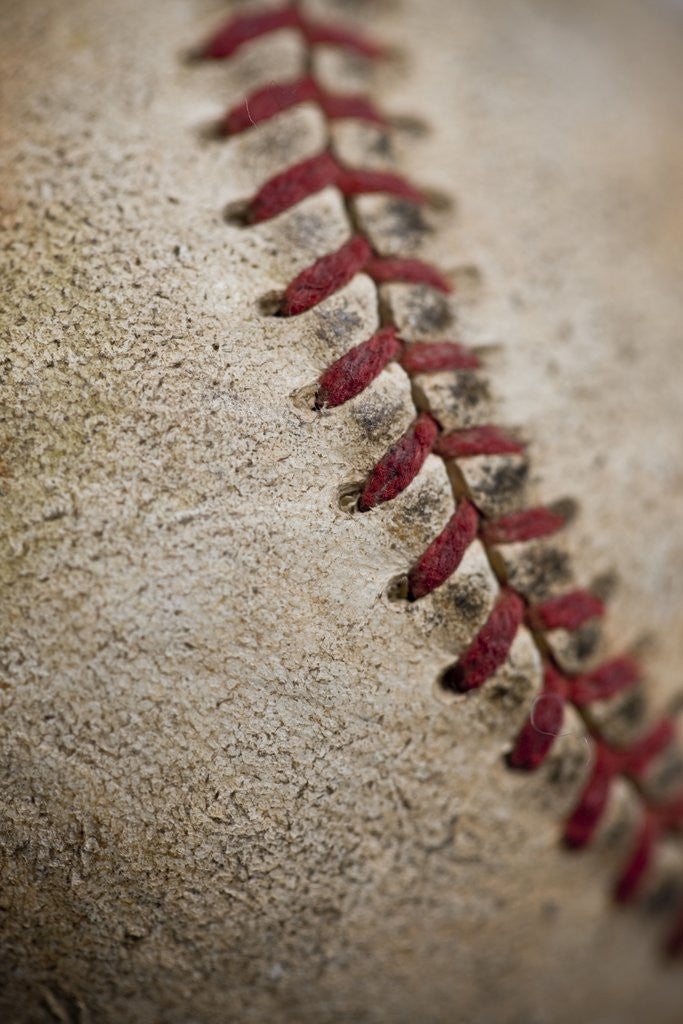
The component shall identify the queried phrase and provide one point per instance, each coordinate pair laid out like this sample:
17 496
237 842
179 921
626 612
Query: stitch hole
410 124
567 508
439 201
445 696
467 281
605 585
208 132
396 590
450 680
269 303
304 399
348 495
237 213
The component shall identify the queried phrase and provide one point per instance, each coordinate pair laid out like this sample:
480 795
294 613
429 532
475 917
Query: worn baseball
342 512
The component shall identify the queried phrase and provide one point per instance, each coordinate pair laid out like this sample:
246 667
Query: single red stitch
301 180
490 647
244 27
334 35
587 813
357 181
384 271
674 945
340 105
291 186
604 681
635 868
486 440
569 611
325 277
609 762
538 734
531 524
658 819
670 815
277 97
400 465
444 554
352 373
637 758
431 356
268 101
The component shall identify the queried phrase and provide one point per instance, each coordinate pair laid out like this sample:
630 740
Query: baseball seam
354 371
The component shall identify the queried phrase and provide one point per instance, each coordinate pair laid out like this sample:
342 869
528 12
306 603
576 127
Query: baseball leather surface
240 781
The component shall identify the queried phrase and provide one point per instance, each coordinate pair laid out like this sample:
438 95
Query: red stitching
544 723
324 277
399 467
310 176
333 35
674 945
383 271
427 356
264 103
569 612
490 648
530 524
355 370
356 181
352 373
243 28
444 554
633 871
485 440
609 763
538 734
331 272
603 682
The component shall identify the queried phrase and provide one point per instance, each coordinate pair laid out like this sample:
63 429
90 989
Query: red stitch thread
267 102
332 271
657 820
569 611
310 176
486 440
490 647
544 723
430 356
336 105
609 763
538 733
277 97
400 465
531 524
291 186
634 870
674 946
584 819
605 681
354 181
384 271
245 27
352 373
332 35
444 554
324 277
637 758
